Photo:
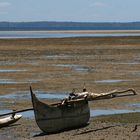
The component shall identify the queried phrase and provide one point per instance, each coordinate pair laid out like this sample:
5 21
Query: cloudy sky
70 10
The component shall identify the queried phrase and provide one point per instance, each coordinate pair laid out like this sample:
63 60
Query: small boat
72 112
9 120
60 116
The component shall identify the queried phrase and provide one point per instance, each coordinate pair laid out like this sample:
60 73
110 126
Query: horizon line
72 21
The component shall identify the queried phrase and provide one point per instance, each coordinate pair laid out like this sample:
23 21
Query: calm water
52 95
48 34
110 81
20 95
93 112
10 70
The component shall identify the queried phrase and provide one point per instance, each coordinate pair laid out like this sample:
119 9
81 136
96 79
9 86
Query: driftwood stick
123 91
135 127
18 111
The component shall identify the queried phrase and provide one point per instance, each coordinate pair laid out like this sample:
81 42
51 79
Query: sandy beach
58 65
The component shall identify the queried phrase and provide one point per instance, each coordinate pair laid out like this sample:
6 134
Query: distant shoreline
77 31
53 25
67 33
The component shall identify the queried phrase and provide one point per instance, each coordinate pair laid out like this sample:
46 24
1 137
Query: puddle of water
52 95
56 74
110 81
40 94
127 63
7 81
7 63
83 69
75 67
59 56
27 114
93 112
12 81
136 105
99 112
136 73
15 96
10 70
4 110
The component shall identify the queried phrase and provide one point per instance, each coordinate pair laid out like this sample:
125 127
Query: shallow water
136 105
128 63
10 70
27 114
40 94
99 112
59 56
25 95
93 112
47 34
7 81
13 81
110 81
78 68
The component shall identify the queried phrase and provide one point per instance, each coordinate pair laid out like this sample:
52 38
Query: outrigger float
9 120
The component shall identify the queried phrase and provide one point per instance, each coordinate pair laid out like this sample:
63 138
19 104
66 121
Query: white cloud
97 4
4 4
4 7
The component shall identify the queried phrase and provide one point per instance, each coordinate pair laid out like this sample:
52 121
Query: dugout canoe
60 116
6 121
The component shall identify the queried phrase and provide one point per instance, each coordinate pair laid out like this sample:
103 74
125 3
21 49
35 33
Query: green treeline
44 25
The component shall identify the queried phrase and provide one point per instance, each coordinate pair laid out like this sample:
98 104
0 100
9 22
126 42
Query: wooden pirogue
61 116
72 112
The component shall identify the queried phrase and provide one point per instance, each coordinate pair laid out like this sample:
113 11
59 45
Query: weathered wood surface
96 96
59 117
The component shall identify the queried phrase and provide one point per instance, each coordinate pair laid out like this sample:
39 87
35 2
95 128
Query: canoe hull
52 119
63 118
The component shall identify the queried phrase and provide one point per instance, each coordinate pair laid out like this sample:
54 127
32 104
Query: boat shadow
84 132
44 134
8 126
94 130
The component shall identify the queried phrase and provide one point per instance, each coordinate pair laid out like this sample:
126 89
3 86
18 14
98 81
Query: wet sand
116 127
59 65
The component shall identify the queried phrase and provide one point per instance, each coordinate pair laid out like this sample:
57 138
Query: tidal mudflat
58 65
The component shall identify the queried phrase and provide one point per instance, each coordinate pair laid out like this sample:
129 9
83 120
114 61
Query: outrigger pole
90 97
18 111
